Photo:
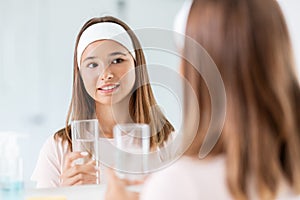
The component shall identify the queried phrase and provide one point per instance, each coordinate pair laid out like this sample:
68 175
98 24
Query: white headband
102 31
180 24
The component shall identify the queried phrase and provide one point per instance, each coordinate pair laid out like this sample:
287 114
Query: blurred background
37 41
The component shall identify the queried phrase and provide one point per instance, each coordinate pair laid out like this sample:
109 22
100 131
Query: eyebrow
111 54
89 58
117 53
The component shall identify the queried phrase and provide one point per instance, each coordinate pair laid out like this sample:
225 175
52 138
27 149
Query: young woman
111 84
258 153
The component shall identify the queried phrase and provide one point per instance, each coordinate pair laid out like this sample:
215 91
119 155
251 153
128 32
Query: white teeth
109 87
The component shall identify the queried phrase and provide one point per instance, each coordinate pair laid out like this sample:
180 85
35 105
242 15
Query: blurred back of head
249 43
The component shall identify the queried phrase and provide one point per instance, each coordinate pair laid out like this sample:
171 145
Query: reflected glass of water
132 142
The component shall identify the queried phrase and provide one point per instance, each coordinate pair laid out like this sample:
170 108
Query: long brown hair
249 42
142 102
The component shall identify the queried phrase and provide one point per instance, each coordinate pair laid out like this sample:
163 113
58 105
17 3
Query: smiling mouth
109 88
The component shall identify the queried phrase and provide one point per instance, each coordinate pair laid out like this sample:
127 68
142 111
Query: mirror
37 39
36 53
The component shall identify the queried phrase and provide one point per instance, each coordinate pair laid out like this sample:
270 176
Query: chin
108 101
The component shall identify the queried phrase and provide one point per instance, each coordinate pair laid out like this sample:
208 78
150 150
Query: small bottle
11 177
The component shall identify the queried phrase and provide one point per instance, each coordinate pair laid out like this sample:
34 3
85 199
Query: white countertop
84 192
90 192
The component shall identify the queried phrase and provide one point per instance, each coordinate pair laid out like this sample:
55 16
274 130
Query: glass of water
85 134
132 142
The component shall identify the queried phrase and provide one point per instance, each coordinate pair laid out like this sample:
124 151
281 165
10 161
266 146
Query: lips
108 88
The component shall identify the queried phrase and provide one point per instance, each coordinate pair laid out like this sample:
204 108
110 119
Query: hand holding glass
85 135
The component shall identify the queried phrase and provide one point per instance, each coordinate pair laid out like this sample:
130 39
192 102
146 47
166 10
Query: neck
110 115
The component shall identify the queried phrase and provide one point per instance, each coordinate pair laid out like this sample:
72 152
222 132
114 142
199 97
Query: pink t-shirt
49 166
194 179
50 163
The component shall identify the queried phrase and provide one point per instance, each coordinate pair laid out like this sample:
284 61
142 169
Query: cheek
129 78
90 84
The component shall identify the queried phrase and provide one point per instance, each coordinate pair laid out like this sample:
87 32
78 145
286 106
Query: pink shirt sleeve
188 179
165 184
49 165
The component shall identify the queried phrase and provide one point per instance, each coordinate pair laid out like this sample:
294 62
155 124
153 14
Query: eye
92 65
117 61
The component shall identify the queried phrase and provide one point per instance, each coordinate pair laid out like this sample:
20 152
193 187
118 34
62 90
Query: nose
107 75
